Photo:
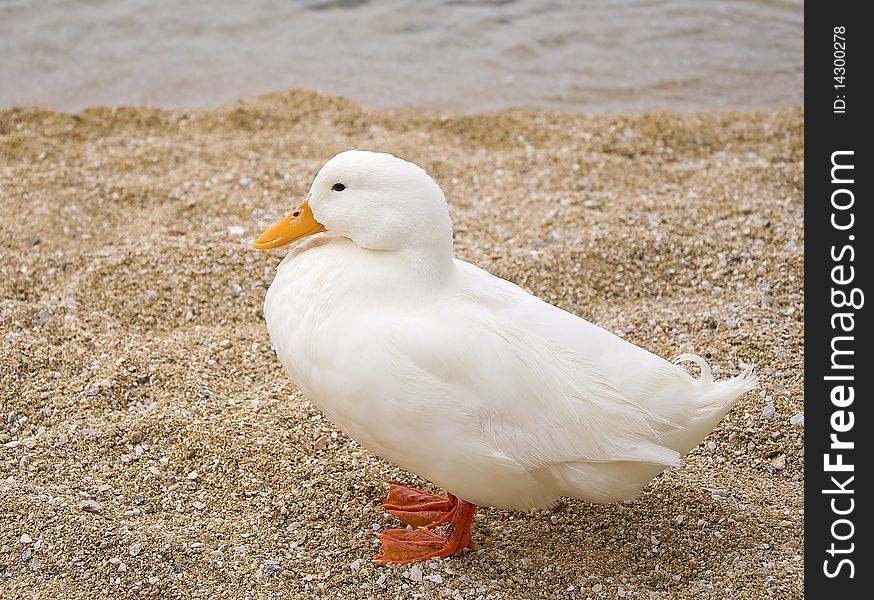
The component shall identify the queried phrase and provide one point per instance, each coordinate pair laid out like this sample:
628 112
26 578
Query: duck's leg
417 507
400 546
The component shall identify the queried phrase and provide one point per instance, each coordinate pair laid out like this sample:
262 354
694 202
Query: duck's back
566 398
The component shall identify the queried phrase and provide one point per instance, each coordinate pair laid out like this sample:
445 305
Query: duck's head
377 200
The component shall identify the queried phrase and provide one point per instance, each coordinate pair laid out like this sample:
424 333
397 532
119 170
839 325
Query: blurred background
467 55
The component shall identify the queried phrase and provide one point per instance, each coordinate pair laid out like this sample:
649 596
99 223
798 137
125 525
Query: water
464 55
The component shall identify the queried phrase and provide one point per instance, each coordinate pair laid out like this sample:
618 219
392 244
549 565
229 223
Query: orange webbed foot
402 546
417 507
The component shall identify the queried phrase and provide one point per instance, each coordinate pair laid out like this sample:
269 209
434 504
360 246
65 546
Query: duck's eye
338 187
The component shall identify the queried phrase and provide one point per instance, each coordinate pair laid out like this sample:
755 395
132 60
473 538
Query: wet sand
151 446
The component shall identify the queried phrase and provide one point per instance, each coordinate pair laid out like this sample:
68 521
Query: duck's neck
431 265
363 270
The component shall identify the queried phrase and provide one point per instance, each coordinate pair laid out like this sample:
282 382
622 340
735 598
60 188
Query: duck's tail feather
715 399
706 375
726 391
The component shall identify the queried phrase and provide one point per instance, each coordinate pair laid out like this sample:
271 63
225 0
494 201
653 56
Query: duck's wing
541 385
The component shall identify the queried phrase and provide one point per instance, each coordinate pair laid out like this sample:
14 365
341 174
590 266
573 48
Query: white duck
460 376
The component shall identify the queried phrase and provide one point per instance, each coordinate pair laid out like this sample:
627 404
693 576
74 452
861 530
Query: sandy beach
152 446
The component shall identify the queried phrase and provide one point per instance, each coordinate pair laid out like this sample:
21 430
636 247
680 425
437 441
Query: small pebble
438 579
192 475
415 574
91 506
796 420
356 564
769 410
25 539
135 549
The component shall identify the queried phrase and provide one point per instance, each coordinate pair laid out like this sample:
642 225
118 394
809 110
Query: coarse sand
152 446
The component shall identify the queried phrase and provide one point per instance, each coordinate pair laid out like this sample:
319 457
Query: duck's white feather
478 386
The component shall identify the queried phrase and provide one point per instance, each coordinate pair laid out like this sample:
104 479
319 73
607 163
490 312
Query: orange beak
299 224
